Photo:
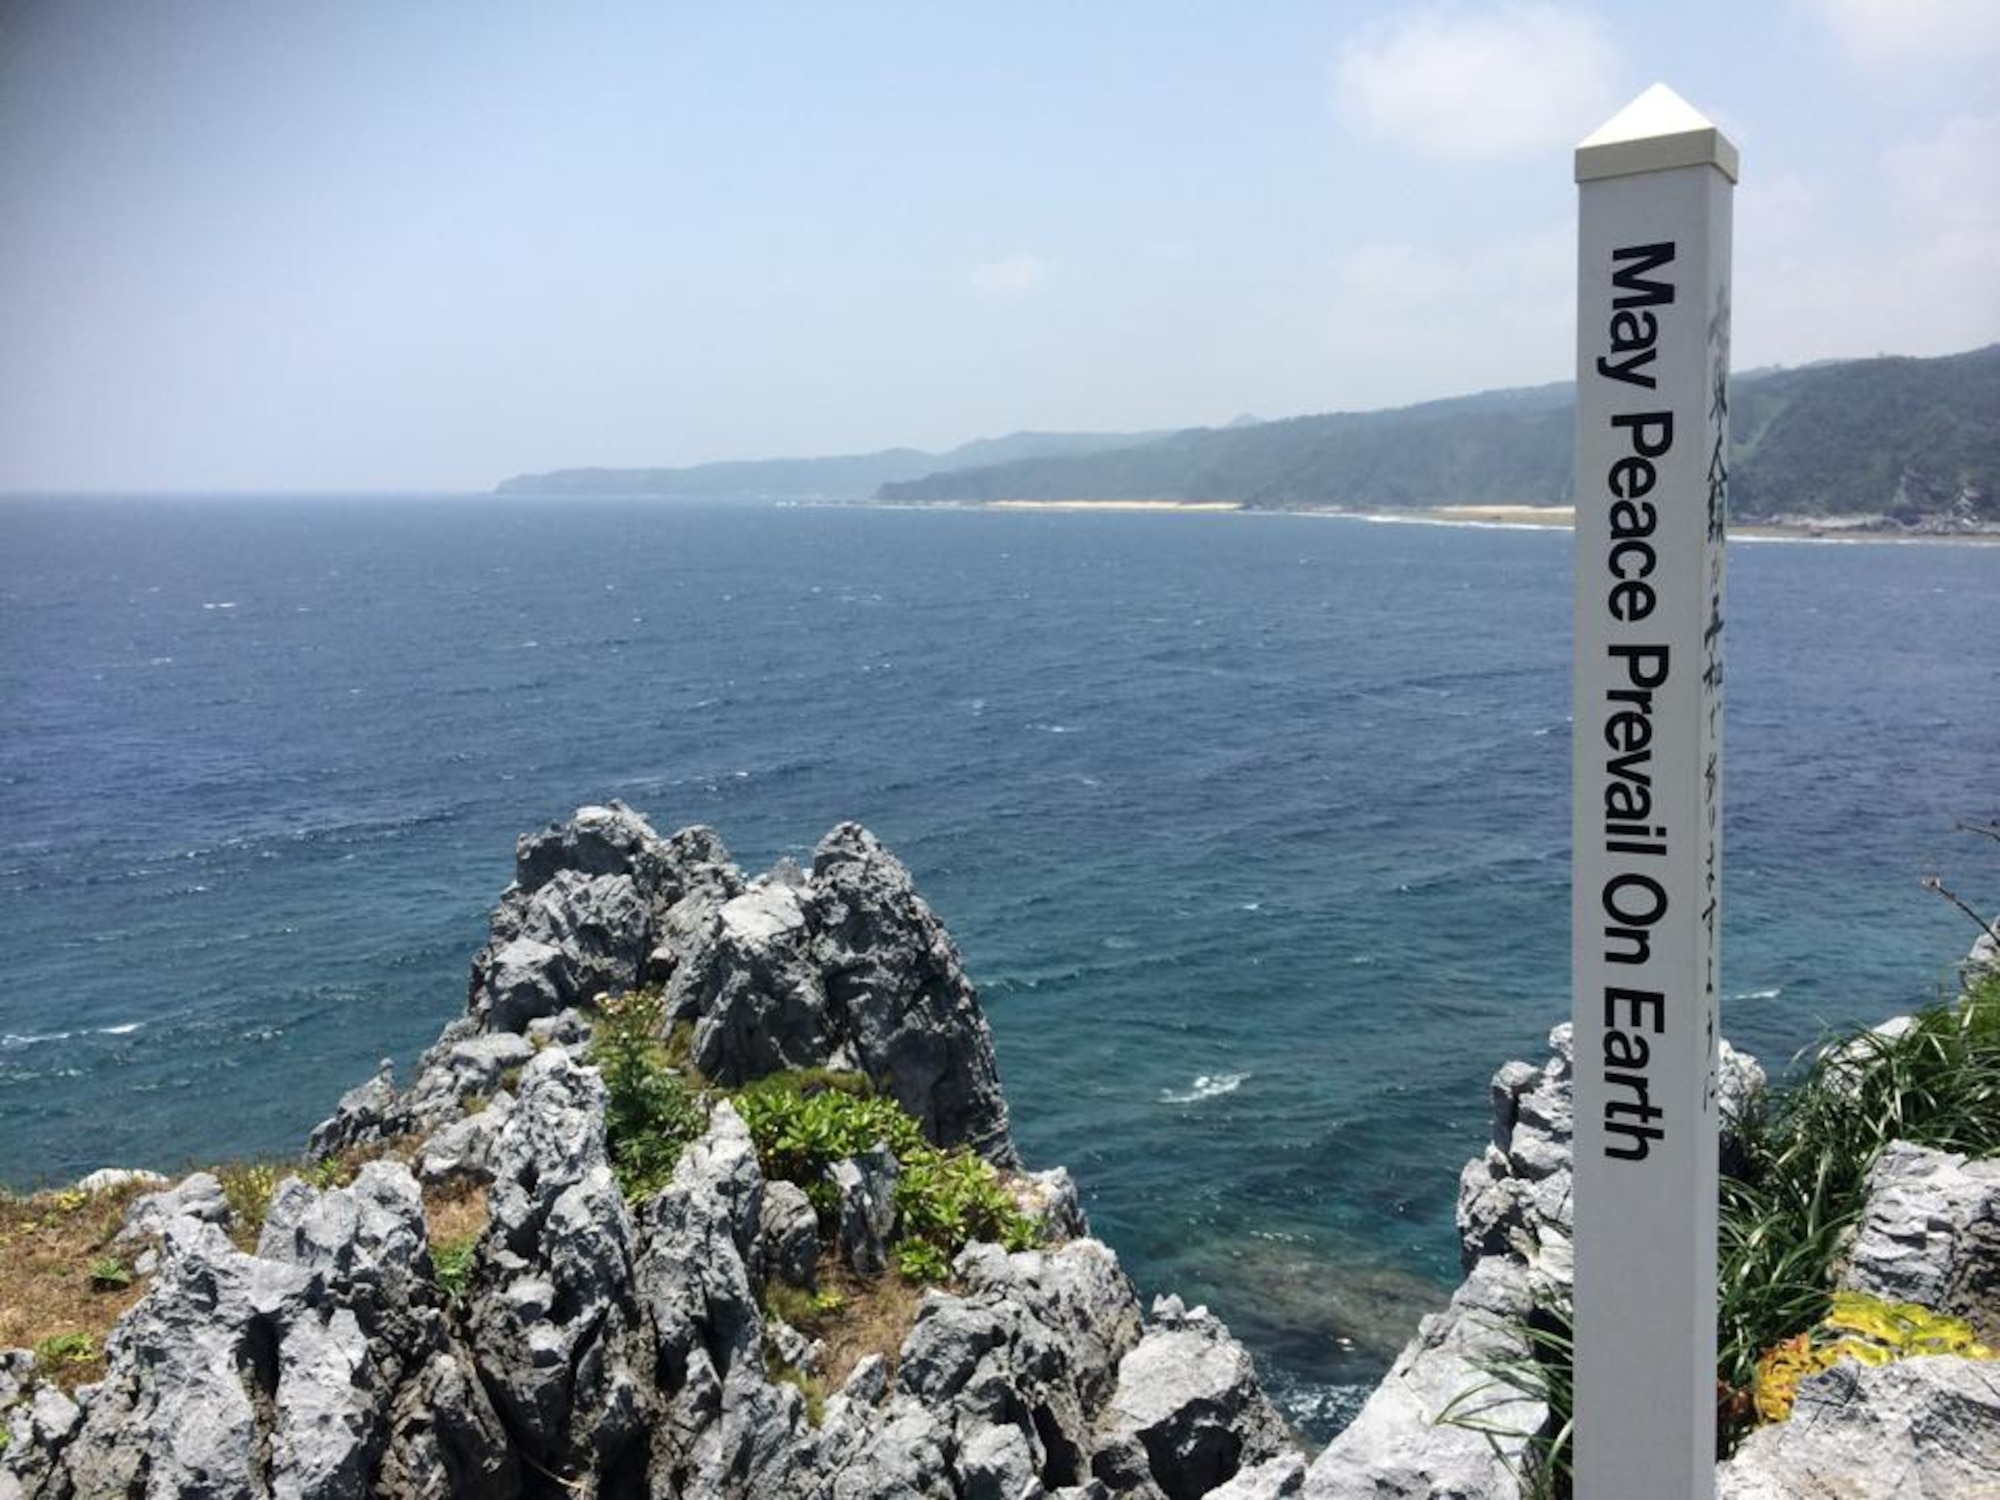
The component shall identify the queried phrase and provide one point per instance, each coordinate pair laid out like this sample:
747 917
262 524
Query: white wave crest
1207 1086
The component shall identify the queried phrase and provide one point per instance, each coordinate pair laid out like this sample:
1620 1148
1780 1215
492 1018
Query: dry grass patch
872 1317
455 1216
62 1285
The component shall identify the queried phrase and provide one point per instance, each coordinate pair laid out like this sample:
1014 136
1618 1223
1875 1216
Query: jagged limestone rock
894 974
1931 1235
1917 1429
867 1210
553 1302
788 1236
618 1349
1187 1392
1398 1445
197 1196
1274 1479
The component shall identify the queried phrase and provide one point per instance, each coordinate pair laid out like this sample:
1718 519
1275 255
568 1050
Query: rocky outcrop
1918 1429
1441 1423
1931 1235
843 966
584 1344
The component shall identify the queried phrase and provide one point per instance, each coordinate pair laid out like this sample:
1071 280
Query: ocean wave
1318 1409
1207 1086
1771 994
16 1040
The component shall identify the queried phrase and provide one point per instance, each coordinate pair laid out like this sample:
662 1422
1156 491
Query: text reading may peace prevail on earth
1633 900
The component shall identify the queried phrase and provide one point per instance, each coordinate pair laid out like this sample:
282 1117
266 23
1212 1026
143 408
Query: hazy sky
288 244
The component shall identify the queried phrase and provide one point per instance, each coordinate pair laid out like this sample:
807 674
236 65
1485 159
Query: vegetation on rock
804 1122
650 1112
1864 1329
1806 1151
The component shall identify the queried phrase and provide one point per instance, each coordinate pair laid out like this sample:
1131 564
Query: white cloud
1501 312
1522 78
1010 276
1900 32
1810 285
1952 182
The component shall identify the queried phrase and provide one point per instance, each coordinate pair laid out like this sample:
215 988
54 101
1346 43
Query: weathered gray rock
1918 1429
1398 1446
893 974
246 1375
445 1439
996 1463
363 1114
1514 1198
1275 1479
726 1429
1051 1197
867 1211
1189 1394
608 840
197 1196
1931 1235
553 1302
756 992
465 1147
39 1424
570 939
788 1236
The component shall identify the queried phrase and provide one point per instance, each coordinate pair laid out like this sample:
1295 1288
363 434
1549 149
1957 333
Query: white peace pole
1652 431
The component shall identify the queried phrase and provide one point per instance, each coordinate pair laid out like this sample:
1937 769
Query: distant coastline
1838 529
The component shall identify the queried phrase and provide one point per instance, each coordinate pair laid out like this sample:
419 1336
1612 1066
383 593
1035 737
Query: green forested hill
1906 437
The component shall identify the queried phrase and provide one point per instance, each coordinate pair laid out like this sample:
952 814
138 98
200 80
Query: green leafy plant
109 1274
248 1186
65 1349
804 1122
451 1264
650 1113
921 1262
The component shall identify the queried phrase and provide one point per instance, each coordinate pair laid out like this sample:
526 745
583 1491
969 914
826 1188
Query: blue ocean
1253 829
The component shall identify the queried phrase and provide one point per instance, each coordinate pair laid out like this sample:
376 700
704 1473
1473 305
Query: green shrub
650 1113
804 1122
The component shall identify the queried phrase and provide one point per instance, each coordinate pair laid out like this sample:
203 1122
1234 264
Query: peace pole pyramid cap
1656 132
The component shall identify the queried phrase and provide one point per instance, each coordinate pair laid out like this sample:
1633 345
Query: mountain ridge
1896 438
